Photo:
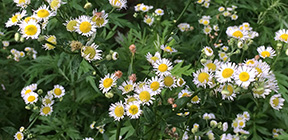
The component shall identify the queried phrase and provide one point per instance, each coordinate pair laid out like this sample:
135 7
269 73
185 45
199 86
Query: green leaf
148 114
178 70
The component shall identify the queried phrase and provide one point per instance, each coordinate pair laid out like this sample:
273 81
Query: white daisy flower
225 72
15 18
227 92
168 49
55 4
235 32
225 48
200 1
43 13
28 89
216 27
246 115
269 52
46 110
224 126
226 13
159 12
208 51
206 4
137 7
130 98
184 93
31 98
145 8
115 55
5 43
212 66
127 86
183 27
48 100
133 110
152 59
195 100
162 67
117 111
91 53
99 18
207 30
107 82
71 25
202 77
30 29
169 81
22 54
262 69
276 102
180 82
22 3
156 84
251 62
52 40
149 20
89 138
85 26
234 17
118 3
244 76
145 95
58 91
19 136
221 9
282 35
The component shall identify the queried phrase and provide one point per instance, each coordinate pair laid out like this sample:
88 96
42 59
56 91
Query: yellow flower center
211 66
237 34
155 85
154 58
227 72
31 98
116 3
98 20
275 101
28 91
168 49
229 88
51 39
148 20
265 54
185 95
222 54
47 101
144 96
107 82
203 76
46 109
15 18
159 11
119 111
207 30
70 25
43 13
144 8
221 9
128 87
235 124
131 99
133 109
195 98
57 91
205 22
284 37
250 62
30 30
181 81
89 51
19 136
241 123
258 70
162 67
54 4
244 76
168 81
85 27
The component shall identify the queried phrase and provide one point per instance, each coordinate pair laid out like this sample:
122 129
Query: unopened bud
94 73
109 95
111 52
132 77
21 129
88 5
240 44
30 136
27 107
203 61
108 57
132 49
237 51
17 37
41 38
22 39
194 130
286 52
118 74
115 56
257 57
213 123
279 44
39 91
170 101
174 129
35 107
211 136
60 99
174 105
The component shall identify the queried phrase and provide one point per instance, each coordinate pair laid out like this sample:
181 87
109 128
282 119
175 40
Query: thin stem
242 56
32 122
278 54
118 130
112 10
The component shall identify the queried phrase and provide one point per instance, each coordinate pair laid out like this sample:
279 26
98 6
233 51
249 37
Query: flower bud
286 52
194 130
22 39
27 107
108 57
240 44
133 77
174 105
174 129
279 44
245 47
94 73
88 5
170 101
132 49
17 37
203 61
115 56
211 136
109 95
213 123
39 91
257 57
21 129
118 74
41 38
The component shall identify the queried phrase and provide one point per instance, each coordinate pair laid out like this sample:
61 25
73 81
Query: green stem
96 69
278 54
242 55
32 122
112 10
177 21
118 130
